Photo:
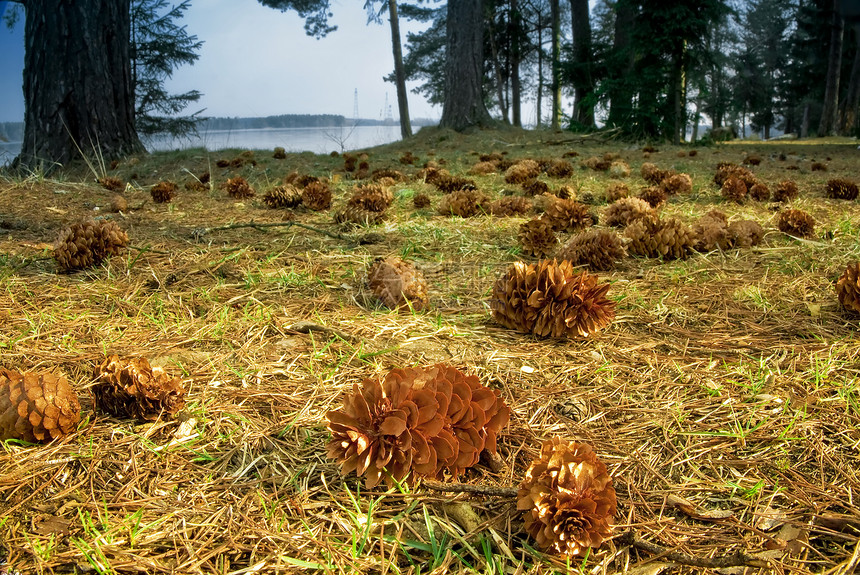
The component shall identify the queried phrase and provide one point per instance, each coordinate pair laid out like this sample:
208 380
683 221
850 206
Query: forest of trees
647 68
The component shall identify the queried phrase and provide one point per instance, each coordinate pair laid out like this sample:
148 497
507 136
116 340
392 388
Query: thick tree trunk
848 116
584 86
497 69
399 72
555 14
620 93
679 99
77 82
516 89
464 67
827 126
539 104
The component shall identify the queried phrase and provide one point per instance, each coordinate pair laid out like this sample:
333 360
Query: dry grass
728 379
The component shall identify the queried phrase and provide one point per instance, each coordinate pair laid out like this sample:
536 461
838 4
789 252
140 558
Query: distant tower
355 106
389 117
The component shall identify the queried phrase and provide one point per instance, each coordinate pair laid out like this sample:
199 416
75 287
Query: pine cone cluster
163 192
796 223
655 237
848 288
238 188
317 196
623 212
286 196
599 250
568 216
423 421
130 387
464 203
786 191
726 170
537 238
371 197
522 172
36 407
654 175
510 206
841 189
568 498
87 244
398 284
551 299
734 189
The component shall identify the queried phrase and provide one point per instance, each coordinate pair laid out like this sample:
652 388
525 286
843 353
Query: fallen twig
308 327
736 559
474 489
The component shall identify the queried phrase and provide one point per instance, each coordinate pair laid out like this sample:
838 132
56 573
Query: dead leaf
769 518
51 525
692 510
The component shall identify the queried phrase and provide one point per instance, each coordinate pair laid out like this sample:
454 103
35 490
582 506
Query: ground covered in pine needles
724 398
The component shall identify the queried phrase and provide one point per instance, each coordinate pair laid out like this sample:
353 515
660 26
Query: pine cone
623 212
619 169
286 196
464 203
510 206
745 233
398 284
484 168
712 232
446 183
549 298
677 184
726 170
786 191
163 192
759 192
796 223
616 190
419 420
734 190
654 196
848 288
359 216
841 189
597 164
36 407
317 196
111 183
383 173
279 153
129 387
535 188
599 250
568 216
568 498
559 169
522 172
655 238
88 244
654 175
537 238
371 197
238 188
421 201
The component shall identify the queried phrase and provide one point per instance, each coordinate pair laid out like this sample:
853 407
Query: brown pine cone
238 188
559 169
712 232
745 233
726 170
464 203
484 168
848 288
317 196
371 197
36 407
111 183
654 195
786 191
796 223
510 206
619 169
446 183
621 213
398 284
759 192
521 172
163 192
537 238
669 238
734 190
421 201
130 387
841 189
358 216
535 188
286 196
677 184
599 250
568 216
551 299
654 175
616 190
568 499
87 244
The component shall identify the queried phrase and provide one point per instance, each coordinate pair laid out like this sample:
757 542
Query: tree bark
464 67
556 64
582 54
399 72
78 91
539 103
620 94
497 69
848 117
827 126
516 88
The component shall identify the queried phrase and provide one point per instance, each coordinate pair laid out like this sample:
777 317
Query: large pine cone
559 169
677 184
358 216
510 206
841 189
623 212
712 232
371 197
655 238
446 183
398 284
550 298
537 238
745 233
420 420
759 192
286 196
317 196
734 189
163 192
568 498
130 387
616 191
796 223
88 244
726 170
568 216
655 196
36 407
848 288
654 175
522 172
599 250
464 203
238 188
786 191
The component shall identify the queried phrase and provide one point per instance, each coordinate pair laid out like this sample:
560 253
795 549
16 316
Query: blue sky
257 61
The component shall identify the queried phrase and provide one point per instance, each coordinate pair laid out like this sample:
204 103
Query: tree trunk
556 64
584 86
464 67
539 104
804 124
77 82
697 117
399 72
497 68
848 117
620 93
827 126
516 89
679 88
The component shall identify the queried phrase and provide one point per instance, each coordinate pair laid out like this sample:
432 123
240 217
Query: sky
257 61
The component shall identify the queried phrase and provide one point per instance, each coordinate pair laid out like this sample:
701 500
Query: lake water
316 140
